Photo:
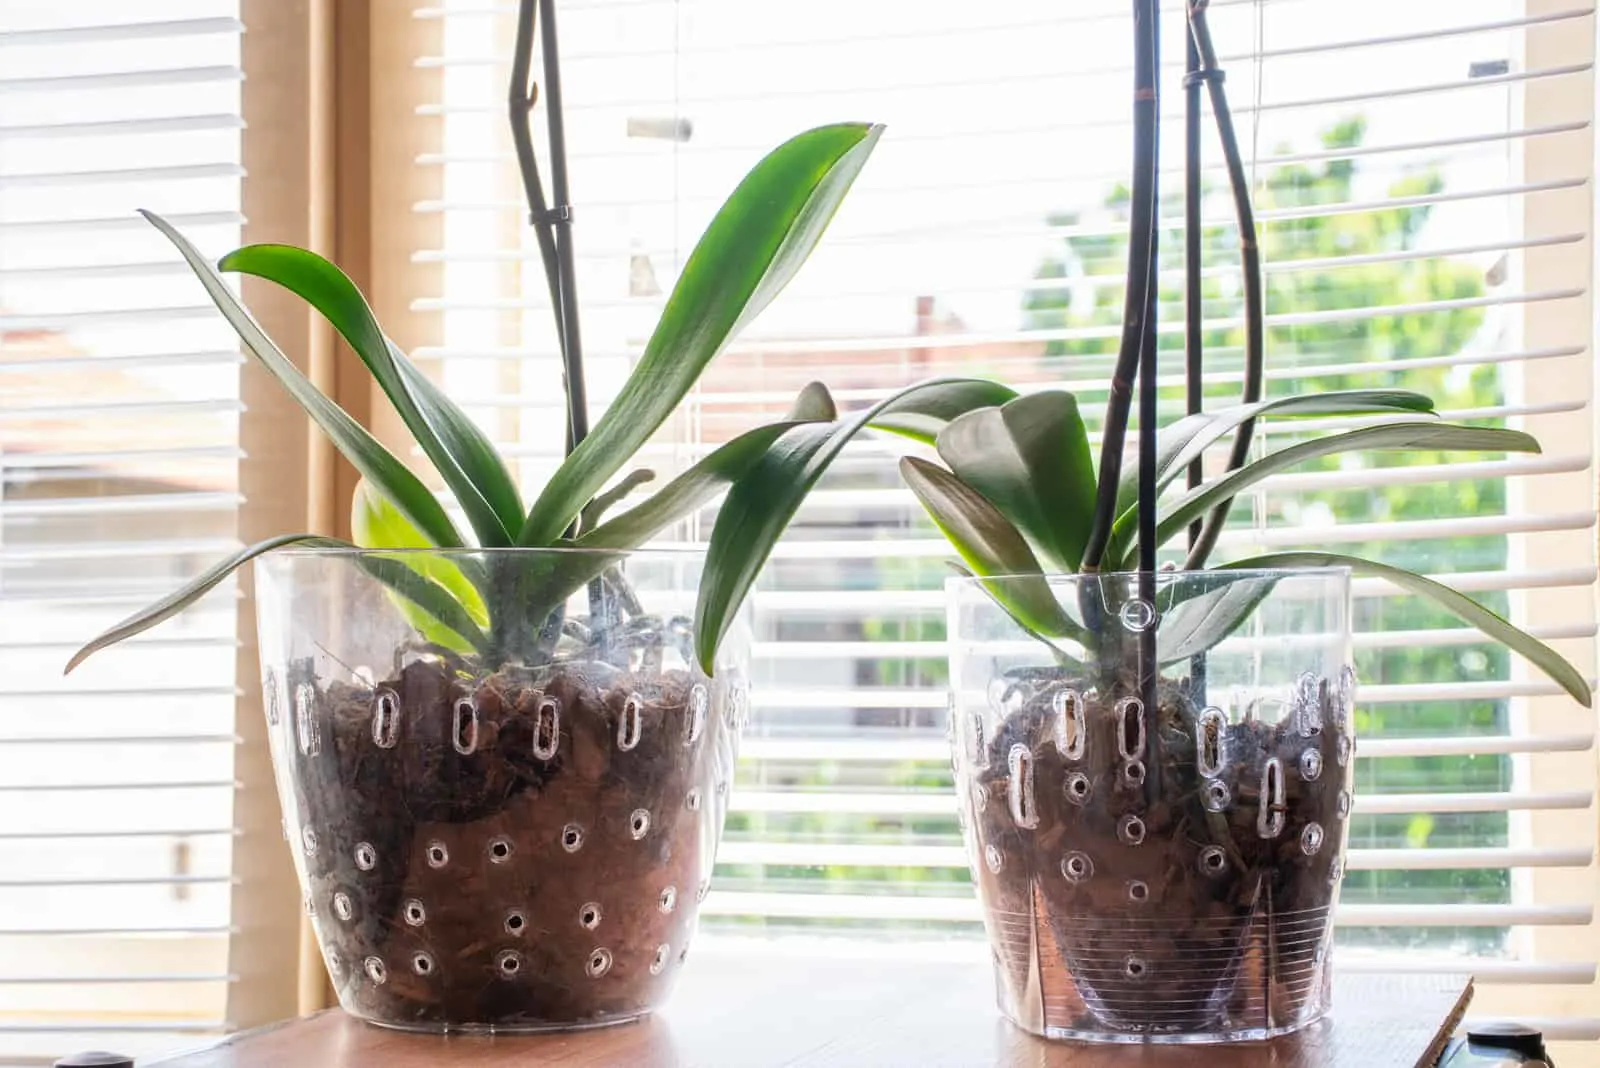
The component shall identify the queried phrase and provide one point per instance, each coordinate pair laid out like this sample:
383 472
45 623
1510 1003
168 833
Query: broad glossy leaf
457 448
1198 623
1185 440
753 247
376 523
1425 437
925 423
990 546
689 491
188 594
370 458
761 503
1030 458
1457 604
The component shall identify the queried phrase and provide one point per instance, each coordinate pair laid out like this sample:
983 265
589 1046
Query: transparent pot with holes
513 831
1155 807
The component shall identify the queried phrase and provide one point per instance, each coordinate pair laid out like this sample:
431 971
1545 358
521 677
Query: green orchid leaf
926 422
989 545
188 594
1202 620
413 576
689 491
753 247
813 405
1457 604
1187 439
596 509
1030 458
761 503
370 458
1385 436
376 523
465 459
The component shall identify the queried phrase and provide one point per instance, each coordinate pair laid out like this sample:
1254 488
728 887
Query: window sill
799 1009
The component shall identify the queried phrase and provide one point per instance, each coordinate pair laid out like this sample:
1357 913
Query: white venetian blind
1423 179
118 456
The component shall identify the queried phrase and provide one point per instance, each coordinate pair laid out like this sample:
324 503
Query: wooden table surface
809 1012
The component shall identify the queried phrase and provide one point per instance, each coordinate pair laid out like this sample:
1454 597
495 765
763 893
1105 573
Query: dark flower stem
1147 167
1138 323
552 224
1250 256
1193 257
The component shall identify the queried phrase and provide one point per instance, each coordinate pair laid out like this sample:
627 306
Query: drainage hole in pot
516 922
422 963
1133 773
341 905
589 916
438 855
499 849
599 963
308 838
668 900
692 801
659 963
376 970
683 955
639 823
1311 839
1215 796
572 838
1138 892
1311 765
335 963
415 914
1019 788
1135 968
1213 861
508 962
993 858
1130 830
1342 804
465 734
366 856
1077 788
700 894
1077 866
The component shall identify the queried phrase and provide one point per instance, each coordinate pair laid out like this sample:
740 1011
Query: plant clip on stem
552 222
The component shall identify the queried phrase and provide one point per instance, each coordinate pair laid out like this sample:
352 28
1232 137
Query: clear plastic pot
1156 810
508 834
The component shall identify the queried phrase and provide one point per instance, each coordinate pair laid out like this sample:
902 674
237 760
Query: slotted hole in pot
1019 787
1270 816
465 733
1070 732
1130 720
386 719
1209 741
547 729
630 725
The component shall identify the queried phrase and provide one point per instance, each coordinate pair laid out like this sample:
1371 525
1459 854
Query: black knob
95 1059
1518 1038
